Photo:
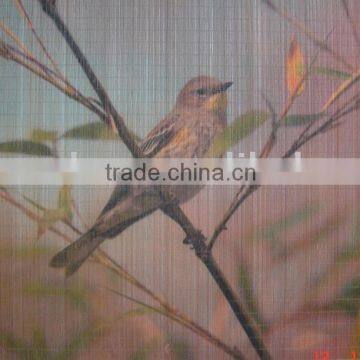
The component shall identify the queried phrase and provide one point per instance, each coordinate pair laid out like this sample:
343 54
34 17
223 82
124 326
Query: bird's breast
217 103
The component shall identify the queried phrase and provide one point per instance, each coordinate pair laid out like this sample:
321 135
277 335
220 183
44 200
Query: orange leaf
295 68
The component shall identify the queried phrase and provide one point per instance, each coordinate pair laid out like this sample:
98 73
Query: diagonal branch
42 71
106 261
240 197
346 85
330 123
246 191
310 34
265 152
29 23
170 207
352 23
50 9
15 39
234 352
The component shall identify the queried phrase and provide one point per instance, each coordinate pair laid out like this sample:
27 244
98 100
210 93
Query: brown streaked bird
187 131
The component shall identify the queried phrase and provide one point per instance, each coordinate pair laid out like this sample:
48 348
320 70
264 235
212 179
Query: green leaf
299 120
180 350
75 295
246 289
272 231
50 217
24 252
85 337
140 311
39 346
80 341
145 351
64 200
16 345
317 234
39 135
34 203
349 299
333 73
352 250
141 354
242 126
93 131
25 147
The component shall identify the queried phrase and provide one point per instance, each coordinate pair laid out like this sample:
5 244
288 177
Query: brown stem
105 260
233 352
39 69
241 195
310 34
346 85
352 23
29 23
265 151
15 39
204 254
322 128
177 214
50 9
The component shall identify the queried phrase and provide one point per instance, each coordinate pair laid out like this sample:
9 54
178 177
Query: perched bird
187 131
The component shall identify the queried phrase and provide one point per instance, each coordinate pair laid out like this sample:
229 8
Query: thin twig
306 130
274 128
323 114
25 15
49 7
15 38
346 85
198 241
352 23
242 195
214 340
78 213
310 34
327 125
105 260
33 216
36 62
239 196
45 73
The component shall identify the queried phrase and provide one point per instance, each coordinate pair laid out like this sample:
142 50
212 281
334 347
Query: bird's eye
201 92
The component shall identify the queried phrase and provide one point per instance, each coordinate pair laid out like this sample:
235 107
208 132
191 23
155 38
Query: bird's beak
218 99
223 87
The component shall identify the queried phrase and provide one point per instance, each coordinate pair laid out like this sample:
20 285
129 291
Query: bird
187 131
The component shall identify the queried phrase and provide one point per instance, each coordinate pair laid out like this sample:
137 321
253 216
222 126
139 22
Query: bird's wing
118 194
160 135
157 138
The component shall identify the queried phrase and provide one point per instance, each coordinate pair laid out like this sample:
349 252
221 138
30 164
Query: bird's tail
76 253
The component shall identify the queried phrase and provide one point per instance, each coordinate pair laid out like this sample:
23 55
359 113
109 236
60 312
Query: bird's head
204 92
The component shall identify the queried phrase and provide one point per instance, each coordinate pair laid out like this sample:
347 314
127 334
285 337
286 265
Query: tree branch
42 71
300 141
304 138
310 34
109 263
29 23
352 23
171 209
265 152
49 7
